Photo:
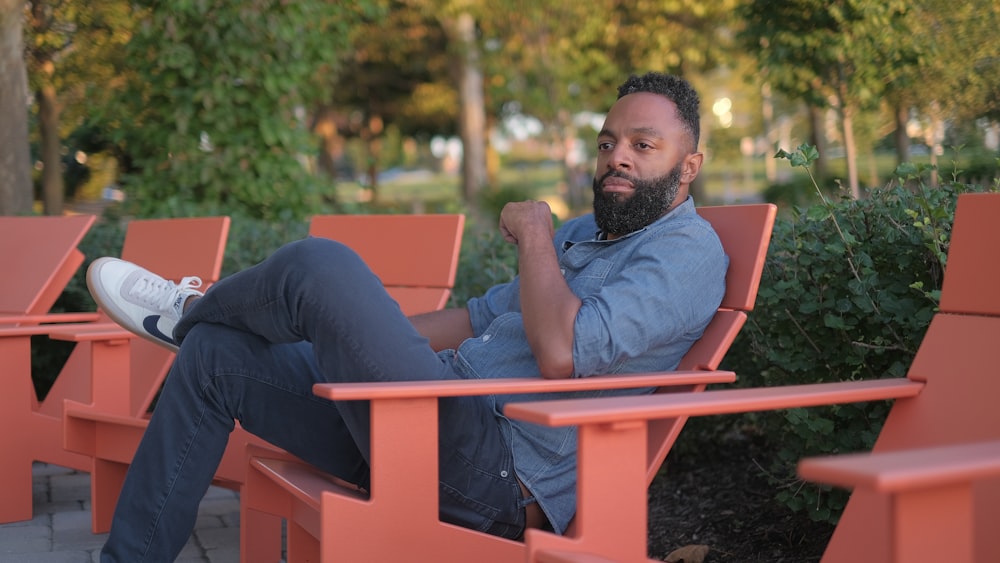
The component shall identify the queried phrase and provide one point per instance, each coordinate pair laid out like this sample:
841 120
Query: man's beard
651 199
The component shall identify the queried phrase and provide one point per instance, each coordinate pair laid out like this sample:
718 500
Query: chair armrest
74 332
902 470
467 387
727 401
84 317
95 332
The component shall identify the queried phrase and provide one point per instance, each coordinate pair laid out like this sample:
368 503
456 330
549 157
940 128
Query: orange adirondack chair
42 255
948 398
331 522
173 247
415 256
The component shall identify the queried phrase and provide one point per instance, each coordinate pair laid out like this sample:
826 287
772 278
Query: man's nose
621 158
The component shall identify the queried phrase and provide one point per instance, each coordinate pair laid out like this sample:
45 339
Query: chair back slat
42 254
972 275
415 256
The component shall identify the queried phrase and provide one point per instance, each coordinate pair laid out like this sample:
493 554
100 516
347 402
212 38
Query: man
625 290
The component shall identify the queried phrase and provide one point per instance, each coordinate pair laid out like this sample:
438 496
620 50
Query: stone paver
60 530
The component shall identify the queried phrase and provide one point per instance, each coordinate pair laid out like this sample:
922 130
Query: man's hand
521 219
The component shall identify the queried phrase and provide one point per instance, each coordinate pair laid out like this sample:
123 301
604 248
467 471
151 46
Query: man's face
645 163
650 200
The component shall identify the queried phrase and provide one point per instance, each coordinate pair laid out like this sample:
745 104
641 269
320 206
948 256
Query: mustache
616 174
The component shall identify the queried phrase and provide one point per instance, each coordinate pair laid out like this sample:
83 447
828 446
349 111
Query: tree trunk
767 113
873 177
372 135
934 140
15 155
574 169
53 186
817 137
472 119
850 149
901 137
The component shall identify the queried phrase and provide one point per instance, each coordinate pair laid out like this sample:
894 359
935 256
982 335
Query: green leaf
817 212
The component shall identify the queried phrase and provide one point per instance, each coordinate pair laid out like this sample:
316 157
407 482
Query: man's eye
604 146
643 146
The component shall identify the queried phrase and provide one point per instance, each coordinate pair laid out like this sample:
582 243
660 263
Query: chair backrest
415 256
42 255
972 275
173 248
958 364
745 232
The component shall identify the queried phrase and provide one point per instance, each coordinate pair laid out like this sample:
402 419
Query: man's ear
691 166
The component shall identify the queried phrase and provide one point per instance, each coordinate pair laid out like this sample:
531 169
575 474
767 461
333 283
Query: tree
826 54
74 62
552 70
396 76
43 53
955 76
216 114
15 157
461 30
420 69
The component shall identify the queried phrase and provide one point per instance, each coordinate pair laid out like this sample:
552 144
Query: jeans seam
178 467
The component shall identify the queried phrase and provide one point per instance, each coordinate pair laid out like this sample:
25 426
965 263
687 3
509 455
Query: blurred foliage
214 117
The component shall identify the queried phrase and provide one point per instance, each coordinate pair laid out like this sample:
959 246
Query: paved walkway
60 530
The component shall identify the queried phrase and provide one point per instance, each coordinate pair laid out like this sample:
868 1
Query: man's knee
313 251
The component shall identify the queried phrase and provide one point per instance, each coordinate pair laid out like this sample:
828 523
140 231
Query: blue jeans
252 348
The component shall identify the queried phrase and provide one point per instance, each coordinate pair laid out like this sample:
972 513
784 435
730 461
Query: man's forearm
548 307
445 329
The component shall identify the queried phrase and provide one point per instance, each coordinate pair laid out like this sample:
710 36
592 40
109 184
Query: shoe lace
163 294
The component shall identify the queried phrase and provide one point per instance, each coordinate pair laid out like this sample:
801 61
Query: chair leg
260 536
105 487
16 486
923 518
302 546
15 462
261 515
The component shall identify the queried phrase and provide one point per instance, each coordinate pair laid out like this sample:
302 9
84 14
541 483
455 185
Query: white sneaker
139 300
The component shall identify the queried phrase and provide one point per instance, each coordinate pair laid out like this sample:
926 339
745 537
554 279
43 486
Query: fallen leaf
688 554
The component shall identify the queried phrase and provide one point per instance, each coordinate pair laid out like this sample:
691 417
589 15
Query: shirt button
486 338
503 473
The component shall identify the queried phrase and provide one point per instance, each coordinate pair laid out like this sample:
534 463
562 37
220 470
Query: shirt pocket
590 278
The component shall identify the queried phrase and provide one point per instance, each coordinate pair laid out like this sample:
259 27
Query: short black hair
675 89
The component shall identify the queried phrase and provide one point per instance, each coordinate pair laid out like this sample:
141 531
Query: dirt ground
718 495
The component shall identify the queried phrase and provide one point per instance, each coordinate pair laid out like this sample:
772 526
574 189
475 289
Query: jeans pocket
476 497
462 510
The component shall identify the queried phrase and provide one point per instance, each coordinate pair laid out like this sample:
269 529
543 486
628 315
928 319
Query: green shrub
847 292
796 192
486 260
251 240
491 201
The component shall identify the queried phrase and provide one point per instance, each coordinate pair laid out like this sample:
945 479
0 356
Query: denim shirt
646 297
